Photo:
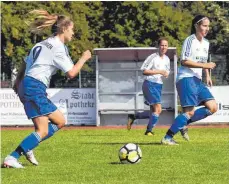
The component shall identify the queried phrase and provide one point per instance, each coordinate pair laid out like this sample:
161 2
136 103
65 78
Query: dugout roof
129 54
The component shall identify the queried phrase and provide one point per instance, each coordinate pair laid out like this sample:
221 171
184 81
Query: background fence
88 79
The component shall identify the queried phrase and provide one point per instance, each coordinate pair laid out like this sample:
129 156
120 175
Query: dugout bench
119 85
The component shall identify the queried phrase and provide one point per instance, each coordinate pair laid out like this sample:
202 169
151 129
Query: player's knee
213 108
158 111
61 124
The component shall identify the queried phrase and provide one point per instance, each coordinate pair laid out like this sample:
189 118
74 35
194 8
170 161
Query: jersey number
36 52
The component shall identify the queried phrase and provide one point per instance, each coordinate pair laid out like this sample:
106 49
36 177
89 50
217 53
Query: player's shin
52 129
180 121
29 143
152 122
199 114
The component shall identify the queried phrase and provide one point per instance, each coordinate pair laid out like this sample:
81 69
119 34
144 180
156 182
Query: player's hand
86 55
210 65
164 73
209 81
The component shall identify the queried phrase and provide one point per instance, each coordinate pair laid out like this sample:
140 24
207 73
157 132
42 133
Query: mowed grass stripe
91 156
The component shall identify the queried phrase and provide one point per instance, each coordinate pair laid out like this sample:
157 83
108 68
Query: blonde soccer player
43 61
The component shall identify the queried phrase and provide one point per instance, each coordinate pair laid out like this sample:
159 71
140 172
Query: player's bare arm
208 77
154 72
77 67
191 64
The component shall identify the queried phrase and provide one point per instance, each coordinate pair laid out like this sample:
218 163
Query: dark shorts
152 92
192 92
32 94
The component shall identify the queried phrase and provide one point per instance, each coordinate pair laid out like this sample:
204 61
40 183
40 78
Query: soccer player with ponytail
43 61
191 90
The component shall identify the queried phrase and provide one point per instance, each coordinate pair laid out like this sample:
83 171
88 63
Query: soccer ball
130 154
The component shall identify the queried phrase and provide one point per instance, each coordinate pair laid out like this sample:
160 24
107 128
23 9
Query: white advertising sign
220 94
77 105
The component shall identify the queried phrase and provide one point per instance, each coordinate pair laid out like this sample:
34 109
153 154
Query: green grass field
91 156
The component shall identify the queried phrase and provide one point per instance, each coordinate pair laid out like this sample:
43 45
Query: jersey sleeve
148 63
62 60
186 49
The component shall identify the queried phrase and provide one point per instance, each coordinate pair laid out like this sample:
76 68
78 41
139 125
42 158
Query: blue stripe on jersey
149 60
66 50
188 46
67 53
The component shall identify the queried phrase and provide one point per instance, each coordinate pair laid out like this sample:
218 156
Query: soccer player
191 90
44 59
155 67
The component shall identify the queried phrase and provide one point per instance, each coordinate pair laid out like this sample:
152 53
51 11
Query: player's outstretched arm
77 67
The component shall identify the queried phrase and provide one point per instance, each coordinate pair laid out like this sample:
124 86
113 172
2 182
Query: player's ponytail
196 21
44 20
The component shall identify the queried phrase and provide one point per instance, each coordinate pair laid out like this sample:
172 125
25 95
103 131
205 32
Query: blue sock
180 121
142 115
152 122
199 114
52 128
27 144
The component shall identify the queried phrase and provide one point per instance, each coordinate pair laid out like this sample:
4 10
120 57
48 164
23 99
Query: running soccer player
191 90
45 58
155 67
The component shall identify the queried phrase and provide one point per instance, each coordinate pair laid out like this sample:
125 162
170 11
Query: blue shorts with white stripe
32 94
192 92
152 92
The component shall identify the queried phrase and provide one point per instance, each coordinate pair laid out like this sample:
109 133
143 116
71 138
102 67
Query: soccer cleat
149 133
170 142
31 158
11 162
184 133
131 119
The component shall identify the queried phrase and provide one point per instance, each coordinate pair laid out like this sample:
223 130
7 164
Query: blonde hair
44 20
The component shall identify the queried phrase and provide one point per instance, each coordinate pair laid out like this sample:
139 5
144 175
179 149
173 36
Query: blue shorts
151 92
32 94
192 92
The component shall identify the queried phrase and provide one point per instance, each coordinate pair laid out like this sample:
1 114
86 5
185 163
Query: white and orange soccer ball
130 154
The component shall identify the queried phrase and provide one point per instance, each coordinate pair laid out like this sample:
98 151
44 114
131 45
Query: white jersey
155 62
195 51
46 58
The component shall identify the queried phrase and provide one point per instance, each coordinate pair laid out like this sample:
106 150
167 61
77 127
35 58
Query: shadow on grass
87 135
116 163
121 143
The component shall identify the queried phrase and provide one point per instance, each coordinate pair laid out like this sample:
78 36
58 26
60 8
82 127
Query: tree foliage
112 24
17 40
140 24
219 17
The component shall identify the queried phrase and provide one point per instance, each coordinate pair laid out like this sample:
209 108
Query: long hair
44 20
197 21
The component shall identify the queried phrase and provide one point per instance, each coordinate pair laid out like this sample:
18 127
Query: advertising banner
77 105
220 94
